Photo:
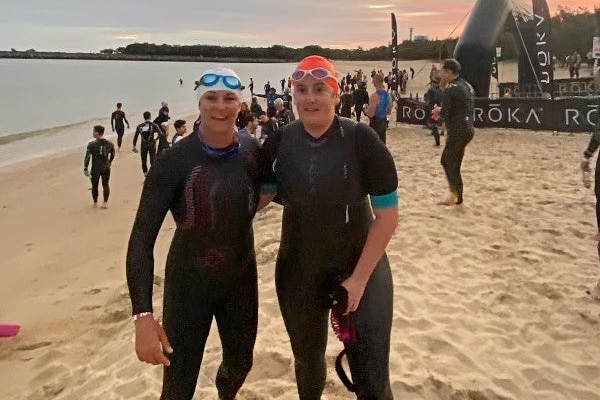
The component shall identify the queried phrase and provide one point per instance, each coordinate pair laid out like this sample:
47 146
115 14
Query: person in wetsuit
380 106
149 133
116 122
433 97
360 98
594 292
102 153
270 96
210 183
338 185
457 113
162 120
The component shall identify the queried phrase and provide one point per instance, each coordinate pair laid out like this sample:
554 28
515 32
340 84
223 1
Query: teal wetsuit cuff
268 188
385 200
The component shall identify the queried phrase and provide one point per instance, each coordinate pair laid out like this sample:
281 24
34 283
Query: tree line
408 50
572 30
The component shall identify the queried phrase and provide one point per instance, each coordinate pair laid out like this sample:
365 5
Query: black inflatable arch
476 46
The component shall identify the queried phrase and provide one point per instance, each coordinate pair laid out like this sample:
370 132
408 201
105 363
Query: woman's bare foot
104 206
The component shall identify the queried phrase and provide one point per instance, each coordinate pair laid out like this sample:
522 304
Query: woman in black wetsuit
210 183
324 170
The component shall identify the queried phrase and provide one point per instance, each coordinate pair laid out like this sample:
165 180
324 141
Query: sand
489 304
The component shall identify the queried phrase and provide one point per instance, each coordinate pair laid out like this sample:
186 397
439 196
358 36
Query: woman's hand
355 289
151 342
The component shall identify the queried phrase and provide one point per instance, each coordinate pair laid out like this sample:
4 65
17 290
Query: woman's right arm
157 195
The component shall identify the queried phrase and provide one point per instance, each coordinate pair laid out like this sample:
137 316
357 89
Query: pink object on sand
8 329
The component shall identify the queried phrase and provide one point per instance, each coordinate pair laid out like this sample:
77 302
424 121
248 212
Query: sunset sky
89 26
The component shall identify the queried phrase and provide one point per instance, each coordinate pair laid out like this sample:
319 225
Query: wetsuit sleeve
379 175
268 155
111 155
88 155
446 103
264 96
112 121
593 145
160 188
135 137
125 119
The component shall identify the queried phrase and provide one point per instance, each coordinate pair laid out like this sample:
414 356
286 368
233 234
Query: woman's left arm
380 233
380 180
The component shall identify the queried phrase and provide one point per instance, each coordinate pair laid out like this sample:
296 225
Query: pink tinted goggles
317 73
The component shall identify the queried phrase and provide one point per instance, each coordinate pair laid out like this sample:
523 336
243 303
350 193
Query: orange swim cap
314 61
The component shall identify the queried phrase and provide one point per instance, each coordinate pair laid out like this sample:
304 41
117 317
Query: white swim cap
220 78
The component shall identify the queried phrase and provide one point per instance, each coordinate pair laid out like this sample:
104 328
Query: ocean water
47 106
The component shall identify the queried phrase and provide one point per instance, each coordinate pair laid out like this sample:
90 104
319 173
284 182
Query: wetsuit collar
230 151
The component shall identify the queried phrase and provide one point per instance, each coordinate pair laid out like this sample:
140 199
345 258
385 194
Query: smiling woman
209 181
332 175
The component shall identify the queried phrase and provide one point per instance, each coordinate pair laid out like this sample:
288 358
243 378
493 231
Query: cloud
379 6
126 37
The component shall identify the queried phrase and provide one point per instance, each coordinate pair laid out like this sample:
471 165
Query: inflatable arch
476 46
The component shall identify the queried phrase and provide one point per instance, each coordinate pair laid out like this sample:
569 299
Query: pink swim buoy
9 329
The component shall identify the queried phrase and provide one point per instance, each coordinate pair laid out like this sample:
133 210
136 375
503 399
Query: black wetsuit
346 103
588 153
457 112
149 132
323 185
102 153
116 120
163 143
360 97
211 265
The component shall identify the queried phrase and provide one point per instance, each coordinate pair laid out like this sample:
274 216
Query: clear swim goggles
317 73
210 79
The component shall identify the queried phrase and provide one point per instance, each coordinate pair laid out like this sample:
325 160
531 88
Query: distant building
421 38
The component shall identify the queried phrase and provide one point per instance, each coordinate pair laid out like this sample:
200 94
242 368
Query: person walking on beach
149 133
457 113
270 97
433 97
162 121
116 122
210 183
346 103
324 170
380 106
101 152
360 98
251 87
180 130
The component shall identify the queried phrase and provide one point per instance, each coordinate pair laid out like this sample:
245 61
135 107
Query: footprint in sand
34 346
94 291
270 365
90 308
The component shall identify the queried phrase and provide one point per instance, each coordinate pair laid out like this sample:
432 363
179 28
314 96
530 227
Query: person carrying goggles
332 175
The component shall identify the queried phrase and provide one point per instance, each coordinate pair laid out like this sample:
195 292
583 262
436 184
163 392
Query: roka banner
541 17
577 114
394 49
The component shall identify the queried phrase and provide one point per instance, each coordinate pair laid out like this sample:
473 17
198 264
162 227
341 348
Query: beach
488 304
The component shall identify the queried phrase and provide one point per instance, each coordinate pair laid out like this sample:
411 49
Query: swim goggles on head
210 79
317 73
